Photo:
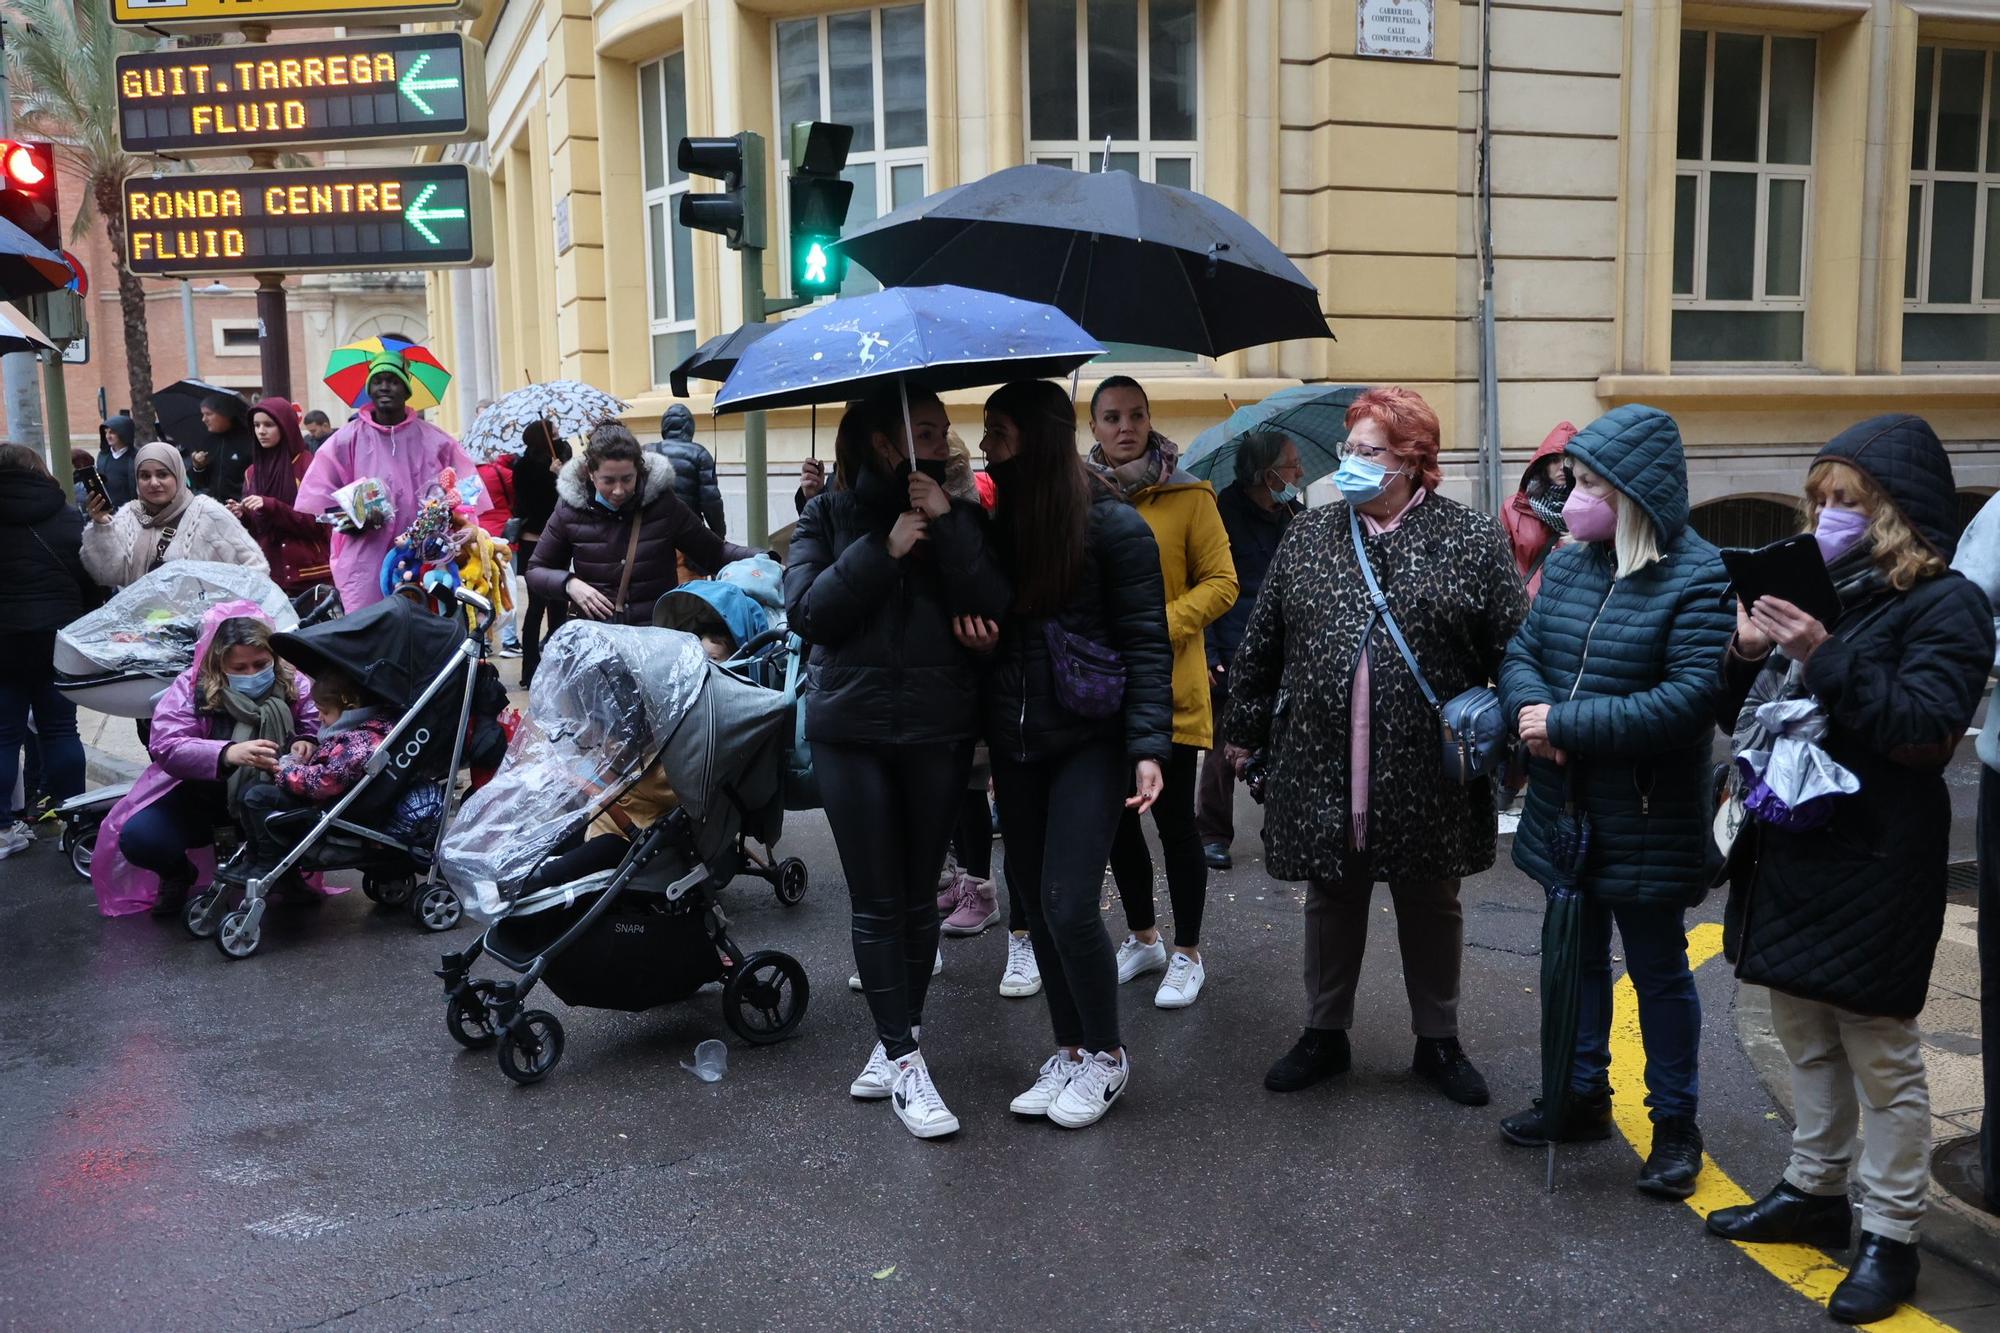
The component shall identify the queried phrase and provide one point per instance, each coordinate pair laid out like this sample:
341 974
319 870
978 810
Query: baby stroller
610 701
428 669
120 658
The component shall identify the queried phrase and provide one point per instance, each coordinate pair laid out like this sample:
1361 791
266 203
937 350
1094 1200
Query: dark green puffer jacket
1629 669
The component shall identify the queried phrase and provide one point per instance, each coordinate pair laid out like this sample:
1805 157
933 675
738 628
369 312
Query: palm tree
61 56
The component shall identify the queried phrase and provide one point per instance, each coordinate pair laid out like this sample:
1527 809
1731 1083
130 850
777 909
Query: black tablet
1791 569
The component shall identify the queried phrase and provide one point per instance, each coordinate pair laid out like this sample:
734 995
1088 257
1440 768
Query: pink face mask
1589 518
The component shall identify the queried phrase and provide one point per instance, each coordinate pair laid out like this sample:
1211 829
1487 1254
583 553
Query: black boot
1319 1053
1675 1160
1442 1062
1787 1215
1584 1119
1883 1277
173 893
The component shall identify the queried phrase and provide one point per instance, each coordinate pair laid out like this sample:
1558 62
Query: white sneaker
917 1102
1055 1076
1136 959
15 838
872 1084
1023 975
1181 984
937 966
1091 1090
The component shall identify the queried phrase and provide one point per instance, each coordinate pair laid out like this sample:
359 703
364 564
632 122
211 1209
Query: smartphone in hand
93 484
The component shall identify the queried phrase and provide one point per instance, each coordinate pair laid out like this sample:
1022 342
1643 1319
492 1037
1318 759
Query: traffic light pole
24 406
57 392
756 465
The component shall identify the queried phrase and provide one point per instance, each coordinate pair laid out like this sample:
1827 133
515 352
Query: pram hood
150 627
705 605
609 700
393 649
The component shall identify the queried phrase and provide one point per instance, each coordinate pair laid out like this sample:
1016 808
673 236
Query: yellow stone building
1769 217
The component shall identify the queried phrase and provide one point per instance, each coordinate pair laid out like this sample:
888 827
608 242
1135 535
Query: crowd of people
1100 635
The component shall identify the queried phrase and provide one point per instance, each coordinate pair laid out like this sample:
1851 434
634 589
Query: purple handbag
1089 677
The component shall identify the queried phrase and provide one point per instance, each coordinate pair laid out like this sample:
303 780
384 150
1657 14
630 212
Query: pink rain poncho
187 746
408 458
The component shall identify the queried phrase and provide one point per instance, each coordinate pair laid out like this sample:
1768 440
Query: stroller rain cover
150 626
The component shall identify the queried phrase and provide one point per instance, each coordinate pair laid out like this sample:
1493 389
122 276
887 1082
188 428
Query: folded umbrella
1312 416
1562 966
714 359
1128 260
571 407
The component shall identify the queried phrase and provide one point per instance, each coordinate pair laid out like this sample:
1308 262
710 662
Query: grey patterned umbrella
570 406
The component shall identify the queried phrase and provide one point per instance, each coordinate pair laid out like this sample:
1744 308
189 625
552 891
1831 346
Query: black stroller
429 669
613 704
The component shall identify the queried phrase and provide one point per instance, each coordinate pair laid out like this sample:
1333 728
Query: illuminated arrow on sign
417 215
413 87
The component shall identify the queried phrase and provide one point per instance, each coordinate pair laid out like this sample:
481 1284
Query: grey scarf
266 719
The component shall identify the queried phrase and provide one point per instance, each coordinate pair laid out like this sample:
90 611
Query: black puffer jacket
694 468
1849 914
121 474
1120 601
885 668
42 582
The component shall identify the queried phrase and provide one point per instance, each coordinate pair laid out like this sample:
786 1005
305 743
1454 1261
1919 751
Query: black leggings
972 840
530 633
1058 816
1180 848
892 809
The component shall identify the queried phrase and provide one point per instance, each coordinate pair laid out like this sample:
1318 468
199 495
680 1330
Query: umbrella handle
909 436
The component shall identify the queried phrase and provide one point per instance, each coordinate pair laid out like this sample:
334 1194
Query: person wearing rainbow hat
390 444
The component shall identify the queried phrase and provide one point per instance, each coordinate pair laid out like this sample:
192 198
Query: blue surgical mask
604 503
1284 494
1360 481
254 686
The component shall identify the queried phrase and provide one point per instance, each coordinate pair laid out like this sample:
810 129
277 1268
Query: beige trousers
1858 1078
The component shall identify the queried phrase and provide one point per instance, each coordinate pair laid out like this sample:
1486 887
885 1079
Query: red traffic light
26 166
28 190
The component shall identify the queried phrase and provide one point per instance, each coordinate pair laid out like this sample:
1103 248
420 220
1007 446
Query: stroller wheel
765 997
790 885
531 1046
82 846
203 913
389 892
466 1019
437 907
238 936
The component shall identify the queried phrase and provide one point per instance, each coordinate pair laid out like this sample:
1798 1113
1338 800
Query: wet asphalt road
294 1142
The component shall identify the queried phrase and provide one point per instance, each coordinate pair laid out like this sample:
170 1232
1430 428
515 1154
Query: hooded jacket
292 540
1628 668
1531 538
1200 581
1849 914
885 668
584 537
694 468
43 585
121 474
498 477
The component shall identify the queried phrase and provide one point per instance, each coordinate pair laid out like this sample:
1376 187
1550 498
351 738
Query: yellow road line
1810 1272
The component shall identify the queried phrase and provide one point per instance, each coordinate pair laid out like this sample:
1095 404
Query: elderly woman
1141 466
1356 792
167 522
1611 684
611 546
1840 915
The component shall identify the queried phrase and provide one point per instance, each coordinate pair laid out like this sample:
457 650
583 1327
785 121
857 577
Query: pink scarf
1360 704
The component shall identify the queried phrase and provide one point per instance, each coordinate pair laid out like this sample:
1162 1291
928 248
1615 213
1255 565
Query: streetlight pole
17 369
187 329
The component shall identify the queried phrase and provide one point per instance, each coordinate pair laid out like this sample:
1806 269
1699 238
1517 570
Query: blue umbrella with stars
936 338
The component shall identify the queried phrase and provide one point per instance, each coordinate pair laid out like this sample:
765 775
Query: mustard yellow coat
1200 581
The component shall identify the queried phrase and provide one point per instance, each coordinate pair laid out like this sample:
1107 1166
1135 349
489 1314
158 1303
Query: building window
865 69
669 248
1742 194
238 337
1951 269
1121 71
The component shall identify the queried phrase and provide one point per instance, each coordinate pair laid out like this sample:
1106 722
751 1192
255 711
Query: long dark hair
880 413
1042 509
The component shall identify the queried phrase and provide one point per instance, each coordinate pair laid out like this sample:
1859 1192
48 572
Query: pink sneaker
949 894
978 907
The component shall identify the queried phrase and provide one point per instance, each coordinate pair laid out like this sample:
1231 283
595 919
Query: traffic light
818 205
736 212
28 190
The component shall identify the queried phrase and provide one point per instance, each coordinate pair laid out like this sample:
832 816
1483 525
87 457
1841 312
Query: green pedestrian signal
817 206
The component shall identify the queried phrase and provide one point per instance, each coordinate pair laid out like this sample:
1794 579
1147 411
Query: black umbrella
1562 965
714 359
178 409
1129 261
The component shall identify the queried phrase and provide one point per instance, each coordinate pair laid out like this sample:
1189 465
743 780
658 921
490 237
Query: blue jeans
159 837
55 738
1655 941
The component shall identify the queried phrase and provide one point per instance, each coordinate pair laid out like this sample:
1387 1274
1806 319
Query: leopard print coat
1450 579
